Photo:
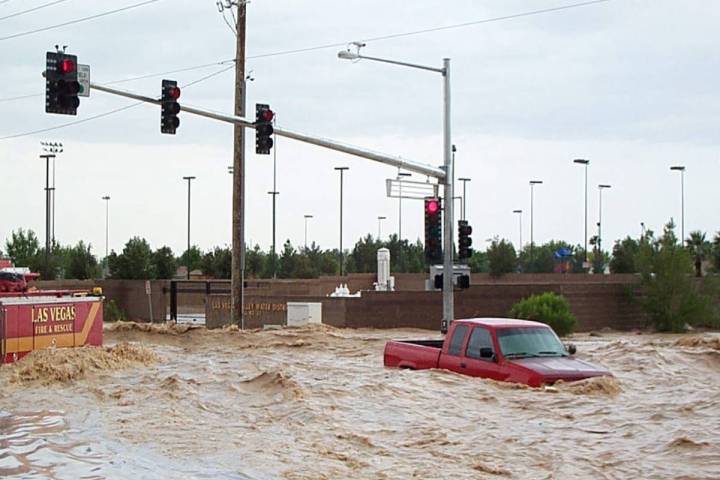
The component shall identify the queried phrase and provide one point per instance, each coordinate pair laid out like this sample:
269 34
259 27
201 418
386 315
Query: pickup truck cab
501 349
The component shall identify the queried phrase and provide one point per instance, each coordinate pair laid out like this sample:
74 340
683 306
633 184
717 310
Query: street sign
84 80
147 287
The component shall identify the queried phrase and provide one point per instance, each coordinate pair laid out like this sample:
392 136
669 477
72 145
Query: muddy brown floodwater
316 403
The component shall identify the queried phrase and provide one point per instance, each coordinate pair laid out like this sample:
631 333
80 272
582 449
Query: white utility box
303 313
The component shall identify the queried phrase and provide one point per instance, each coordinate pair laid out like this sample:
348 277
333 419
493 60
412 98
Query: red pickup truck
502 349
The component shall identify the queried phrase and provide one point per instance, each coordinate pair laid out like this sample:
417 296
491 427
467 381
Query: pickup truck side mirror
487 352
571 349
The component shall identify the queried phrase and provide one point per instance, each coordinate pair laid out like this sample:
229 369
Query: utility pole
238 215
342 256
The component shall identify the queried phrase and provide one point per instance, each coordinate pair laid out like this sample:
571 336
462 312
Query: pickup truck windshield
529 342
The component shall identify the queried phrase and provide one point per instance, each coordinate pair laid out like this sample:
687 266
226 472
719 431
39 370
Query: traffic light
61 83
433 230
169 107
263 128
463 281
464 240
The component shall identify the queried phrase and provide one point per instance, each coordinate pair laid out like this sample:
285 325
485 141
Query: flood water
316 403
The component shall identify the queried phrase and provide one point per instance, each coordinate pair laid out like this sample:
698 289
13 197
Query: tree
363 257
81 264
287 261
623 256
716 252
217 263
671 299
134 263
164 263
192 258
501 257
478 262
23 248
699 249
255 262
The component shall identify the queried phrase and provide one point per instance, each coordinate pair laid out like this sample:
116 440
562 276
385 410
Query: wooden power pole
238 210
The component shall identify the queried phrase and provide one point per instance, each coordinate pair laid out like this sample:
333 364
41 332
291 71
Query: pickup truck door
451 359
477 361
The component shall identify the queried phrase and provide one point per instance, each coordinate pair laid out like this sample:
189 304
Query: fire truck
40 319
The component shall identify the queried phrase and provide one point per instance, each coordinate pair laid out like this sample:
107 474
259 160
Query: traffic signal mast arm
395 161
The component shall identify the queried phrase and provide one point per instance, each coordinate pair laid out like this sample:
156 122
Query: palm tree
699 247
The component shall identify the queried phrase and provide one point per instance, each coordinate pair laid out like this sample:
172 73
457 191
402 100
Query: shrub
548 308
113 313
501 257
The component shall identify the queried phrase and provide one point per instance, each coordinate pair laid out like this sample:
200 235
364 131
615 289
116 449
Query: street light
189 180
51 150
601 187
342 262
581 161
448 306
306 220
532 216
107 226
681 169
464 196
379 220
519 212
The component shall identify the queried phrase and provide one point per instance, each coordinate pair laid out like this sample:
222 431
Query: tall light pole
54 148
601 187
582 161
306 220
107 227
400 177
274 194
342 256
464 196
189 180
681 169
519 212
448 305
51 150
380 219
532 215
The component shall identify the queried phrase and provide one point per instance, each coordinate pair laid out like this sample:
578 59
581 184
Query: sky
630 85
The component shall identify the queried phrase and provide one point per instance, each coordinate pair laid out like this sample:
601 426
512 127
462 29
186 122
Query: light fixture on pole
601 187
380 218
448 167
107 227
464 196
189 180
342 256
306 221
51 150
532 216
582 161
519 212
681 169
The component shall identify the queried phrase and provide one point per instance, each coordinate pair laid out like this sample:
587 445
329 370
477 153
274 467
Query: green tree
671 299
217 263
699 249
254 262
501 257
363 257
23 248
623 256
164 263
287 267
479 262
549 308
82 264
134 263
192 258
716 252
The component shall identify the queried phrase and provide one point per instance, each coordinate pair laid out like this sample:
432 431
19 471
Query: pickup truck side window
480 338
457 340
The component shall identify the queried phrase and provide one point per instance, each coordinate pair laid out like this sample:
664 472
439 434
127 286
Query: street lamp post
107 227
532 216
582 161
464 196
342 256
400 177
306 221
189 180
448 305
380 219
601 187
681 169
519 212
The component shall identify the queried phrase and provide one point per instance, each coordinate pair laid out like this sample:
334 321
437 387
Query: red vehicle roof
502 322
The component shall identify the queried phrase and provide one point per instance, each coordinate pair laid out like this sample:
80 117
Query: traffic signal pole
448 302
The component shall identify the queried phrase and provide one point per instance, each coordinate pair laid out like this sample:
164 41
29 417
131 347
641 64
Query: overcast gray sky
629 84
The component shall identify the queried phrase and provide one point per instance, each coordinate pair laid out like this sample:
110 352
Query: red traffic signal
432 206
267 115
174 92
67 66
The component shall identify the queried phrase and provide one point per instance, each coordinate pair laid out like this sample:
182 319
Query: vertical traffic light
61 83
464 241
433 230
263 128
169 107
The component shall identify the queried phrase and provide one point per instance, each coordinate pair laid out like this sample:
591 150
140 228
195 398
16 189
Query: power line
17 14
110 112
79 20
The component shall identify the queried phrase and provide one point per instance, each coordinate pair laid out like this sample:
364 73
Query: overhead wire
39 7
